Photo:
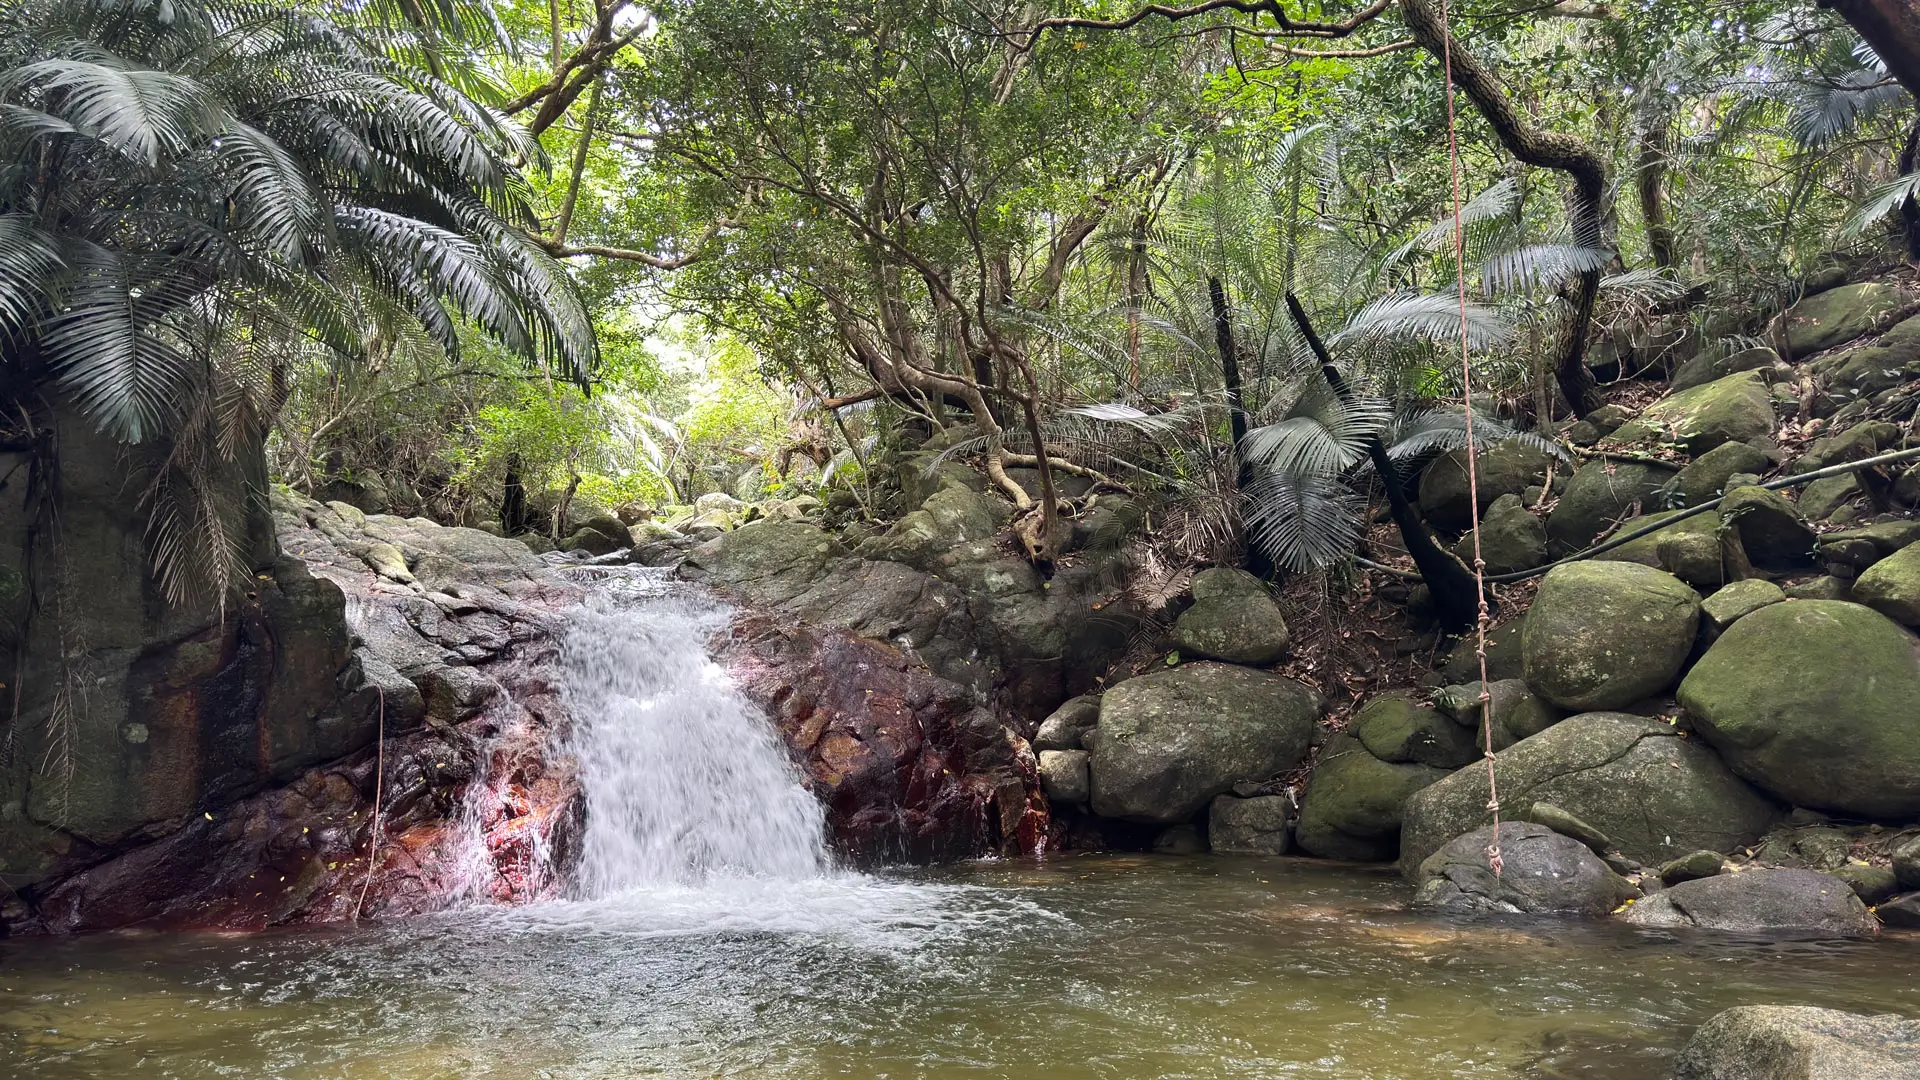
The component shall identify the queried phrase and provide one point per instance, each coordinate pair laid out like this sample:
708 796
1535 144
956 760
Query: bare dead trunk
1456 595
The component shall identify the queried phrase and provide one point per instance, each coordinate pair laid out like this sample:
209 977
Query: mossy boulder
1815 701
1837 316
1600 494
1703 368
1353 803
1707 477
1169 742
1233 618
1654 793
1507 468
1601 635
1511 538
1692 548
1736 601
1736 408
1397 730
1892 587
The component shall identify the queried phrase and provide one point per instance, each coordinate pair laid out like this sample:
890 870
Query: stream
707 933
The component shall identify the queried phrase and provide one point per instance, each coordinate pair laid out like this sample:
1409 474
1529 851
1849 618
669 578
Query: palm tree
197 195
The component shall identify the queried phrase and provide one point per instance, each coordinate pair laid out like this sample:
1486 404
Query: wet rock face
1788 903
1540 871
909 765
451 634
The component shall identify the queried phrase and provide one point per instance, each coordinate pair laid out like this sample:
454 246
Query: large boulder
1892 586
1600 494
1793 903
1353 803
1169 742
1692 548
1837 316
1736 408
1654 793
1601 635
1233 618
1704 367
1540 871
1509 467
1800 1042
1814 700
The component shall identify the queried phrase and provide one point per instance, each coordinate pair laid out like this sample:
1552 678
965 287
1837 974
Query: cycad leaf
140 114
1431 317
1538 265
105 354
1303 522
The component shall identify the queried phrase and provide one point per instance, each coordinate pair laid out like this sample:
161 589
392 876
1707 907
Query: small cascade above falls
684 778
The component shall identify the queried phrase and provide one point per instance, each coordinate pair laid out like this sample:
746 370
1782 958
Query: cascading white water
685 780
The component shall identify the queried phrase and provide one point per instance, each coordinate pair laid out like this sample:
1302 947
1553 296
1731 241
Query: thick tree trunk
1456 594
1544 149
1650 181
1892 27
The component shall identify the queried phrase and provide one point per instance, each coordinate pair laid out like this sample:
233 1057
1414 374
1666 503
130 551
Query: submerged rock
1654 793
1169 742
1794 903
1799 1042
1813 700
1541 871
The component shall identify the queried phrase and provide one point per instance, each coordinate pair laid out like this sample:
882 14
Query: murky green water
1084 967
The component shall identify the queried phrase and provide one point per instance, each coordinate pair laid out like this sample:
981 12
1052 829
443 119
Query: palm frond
1427 317
141 114
1539 265
1883 200
1303 523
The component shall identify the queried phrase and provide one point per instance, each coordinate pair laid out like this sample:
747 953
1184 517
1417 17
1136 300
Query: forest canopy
499 262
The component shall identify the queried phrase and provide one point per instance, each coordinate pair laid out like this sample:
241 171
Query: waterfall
685 779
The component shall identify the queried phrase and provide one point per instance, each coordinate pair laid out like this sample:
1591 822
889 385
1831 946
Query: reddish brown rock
909 765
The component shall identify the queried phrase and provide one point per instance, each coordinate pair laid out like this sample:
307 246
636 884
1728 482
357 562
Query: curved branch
1544 149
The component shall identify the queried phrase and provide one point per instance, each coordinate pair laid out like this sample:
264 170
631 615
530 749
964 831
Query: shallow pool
1094 966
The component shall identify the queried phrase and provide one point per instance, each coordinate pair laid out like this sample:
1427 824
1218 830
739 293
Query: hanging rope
1473 472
